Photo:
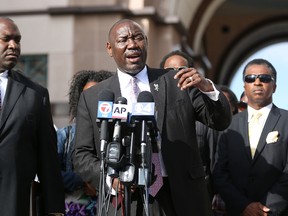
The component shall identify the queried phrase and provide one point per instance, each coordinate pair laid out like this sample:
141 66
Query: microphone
144 112
104 113
119 113
115 157
144 109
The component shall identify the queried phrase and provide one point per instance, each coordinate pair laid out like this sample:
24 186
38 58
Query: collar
124 78
264 110
4 74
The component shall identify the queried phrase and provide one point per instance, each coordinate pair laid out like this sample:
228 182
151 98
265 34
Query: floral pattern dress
77 203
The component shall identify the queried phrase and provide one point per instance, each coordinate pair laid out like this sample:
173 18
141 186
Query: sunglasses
179 68
265 78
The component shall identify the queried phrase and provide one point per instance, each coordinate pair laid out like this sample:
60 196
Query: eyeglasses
265 78
179 68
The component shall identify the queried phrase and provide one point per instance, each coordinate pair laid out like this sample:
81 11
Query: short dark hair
262 62
79 80
232 98
179 53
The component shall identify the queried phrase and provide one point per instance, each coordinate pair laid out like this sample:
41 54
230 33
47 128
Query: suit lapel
158 90
271 121
13 91
114 85
244 121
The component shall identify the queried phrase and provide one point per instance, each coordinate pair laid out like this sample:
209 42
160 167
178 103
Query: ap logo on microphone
104 109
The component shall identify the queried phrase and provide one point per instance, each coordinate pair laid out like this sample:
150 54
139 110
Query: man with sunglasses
252 177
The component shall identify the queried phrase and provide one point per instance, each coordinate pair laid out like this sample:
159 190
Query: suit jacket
176 114
241 179
207 141
27 147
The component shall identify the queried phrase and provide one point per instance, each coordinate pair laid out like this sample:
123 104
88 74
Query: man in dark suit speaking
179 99
251 170
27 136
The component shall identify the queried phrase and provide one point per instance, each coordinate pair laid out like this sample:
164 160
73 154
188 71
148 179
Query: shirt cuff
213 95
109 184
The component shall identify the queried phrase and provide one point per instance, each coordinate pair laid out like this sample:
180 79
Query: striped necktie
135 90
158 183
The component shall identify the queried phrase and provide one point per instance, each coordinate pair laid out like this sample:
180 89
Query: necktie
134 89
255 130
158 183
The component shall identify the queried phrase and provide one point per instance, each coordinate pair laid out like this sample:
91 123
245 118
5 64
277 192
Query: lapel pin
156 87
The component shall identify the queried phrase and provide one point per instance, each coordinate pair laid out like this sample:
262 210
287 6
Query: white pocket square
272 137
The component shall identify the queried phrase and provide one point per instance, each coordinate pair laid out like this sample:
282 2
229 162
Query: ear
274 89
109 49
146 40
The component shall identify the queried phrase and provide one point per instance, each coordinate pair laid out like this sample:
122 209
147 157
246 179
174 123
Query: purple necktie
158 183
134 89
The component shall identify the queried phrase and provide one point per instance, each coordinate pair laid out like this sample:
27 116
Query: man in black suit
179 102
27 136
252 177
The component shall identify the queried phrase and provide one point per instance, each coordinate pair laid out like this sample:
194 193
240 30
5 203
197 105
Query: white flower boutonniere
272 137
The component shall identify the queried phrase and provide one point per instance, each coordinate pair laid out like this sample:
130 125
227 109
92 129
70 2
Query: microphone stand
103 142
146 158
127 186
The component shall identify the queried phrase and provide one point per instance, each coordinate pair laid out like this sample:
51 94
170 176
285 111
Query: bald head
122 21
127 44
9 44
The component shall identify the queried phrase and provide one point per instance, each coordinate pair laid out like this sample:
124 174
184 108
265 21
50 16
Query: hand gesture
189 77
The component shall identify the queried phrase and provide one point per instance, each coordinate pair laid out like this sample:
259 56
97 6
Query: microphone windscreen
121 100
106 95
145 96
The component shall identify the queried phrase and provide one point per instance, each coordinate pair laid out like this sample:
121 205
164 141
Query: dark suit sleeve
48 163
85 159
229 193
214 114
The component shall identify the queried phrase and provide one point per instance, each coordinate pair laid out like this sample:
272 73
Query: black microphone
114 155
104 114
120 112
144 109
144 112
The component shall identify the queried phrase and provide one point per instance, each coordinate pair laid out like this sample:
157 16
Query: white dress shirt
3 85
265 112
124 79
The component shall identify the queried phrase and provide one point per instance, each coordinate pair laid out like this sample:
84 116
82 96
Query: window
34 67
